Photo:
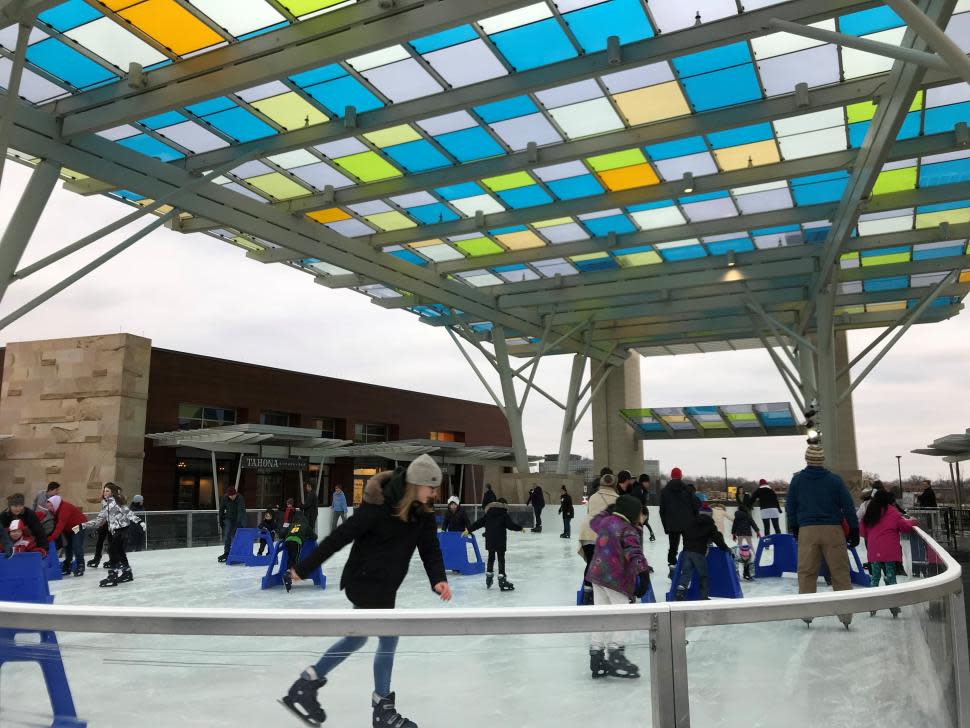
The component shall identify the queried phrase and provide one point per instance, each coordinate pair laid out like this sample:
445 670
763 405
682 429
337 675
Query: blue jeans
565 525
693 562
383 659
74 548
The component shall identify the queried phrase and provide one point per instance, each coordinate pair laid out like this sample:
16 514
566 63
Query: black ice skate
894 611
504 584
125 575
598 664
386 715
287 580
587 595
302 698
537 529
222 558
846 620
109 565
489 578
110 580
94 563
79 570
66 568
619 666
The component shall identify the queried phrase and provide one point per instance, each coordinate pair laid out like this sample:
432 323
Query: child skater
294 537
741 532
22 541
698 535
496 521
619 572
118 516
267 525
881 526
394 519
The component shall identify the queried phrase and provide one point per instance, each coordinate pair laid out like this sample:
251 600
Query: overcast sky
195 294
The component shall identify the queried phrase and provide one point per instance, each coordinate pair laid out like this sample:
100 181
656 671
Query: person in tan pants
818 504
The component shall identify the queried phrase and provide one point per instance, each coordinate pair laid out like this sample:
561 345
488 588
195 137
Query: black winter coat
457 521
489 497
927 499
701 532
744 524
537 499
31 523
637 491
764 497
566 506
383 546
497 521
677 507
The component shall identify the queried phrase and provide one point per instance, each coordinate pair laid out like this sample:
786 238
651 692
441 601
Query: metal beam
329 38
929 30
569 416
13 91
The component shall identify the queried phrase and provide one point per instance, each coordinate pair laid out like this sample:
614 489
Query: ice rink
746 676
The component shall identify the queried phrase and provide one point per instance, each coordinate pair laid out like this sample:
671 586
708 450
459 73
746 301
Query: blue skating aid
721 573
241 549
784 551
279 564
648 598
51 563
857 574
23 578
454 551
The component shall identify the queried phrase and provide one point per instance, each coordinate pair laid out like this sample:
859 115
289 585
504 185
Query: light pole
899 469
725 474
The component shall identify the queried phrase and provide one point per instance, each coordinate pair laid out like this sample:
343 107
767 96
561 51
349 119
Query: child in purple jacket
619 572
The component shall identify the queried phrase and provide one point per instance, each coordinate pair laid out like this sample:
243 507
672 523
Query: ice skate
222 559
587 595
845 619
562 535
386 715
652 538
302 698
66 568
537 529
79 570
807 621
894 611
110 580
680 595
125 575
109 565
598 664
620 666
504 584
489 578
94 563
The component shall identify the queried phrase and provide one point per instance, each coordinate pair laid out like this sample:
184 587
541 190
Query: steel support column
569 417
826 374
512 413
13 92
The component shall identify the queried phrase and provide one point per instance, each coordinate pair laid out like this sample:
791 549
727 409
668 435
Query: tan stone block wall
76 410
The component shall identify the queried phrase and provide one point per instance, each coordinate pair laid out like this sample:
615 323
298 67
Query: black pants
646 525
118 548
292 553
565 525
767 523
674 539
538 512
262 543
99 547
588 550
501 561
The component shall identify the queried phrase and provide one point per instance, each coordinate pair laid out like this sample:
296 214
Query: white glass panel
466 63
240 16
887 225
251 169
653 219
350 228
812 143
764 201
342 148
710 209
815 67
589 117
671 15
469 205
809 122
115 44
698 164
115 133
560 171
371 207
378 58
447 123
859 63
320 175
403 80
296 158
439 253
563 233
518 132
775 44
515 18
638 77
194 137
263 91
571 93
414 199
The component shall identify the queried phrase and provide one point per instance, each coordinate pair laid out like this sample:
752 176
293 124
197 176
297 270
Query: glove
465 533
643 584
76 529
852 540
144 526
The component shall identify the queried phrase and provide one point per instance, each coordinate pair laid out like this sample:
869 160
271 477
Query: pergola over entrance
594 177
954 449
770 419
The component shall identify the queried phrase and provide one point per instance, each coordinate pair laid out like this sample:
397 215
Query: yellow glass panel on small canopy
392 220
302 7
171 25
395 135
890 306
632 260
615 160
290 110
278 185
368 166
508 181
932 219
643 105
747 155
521 240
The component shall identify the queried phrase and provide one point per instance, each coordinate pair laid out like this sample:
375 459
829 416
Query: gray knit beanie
424 471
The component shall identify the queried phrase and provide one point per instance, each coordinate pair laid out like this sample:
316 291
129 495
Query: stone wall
76 411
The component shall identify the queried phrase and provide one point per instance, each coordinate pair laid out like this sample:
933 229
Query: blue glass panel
240 124
817 235
634 249
818 192
744 135
886 284
650 206
618 224
160 120
454 192
533 45
775 230
944 118
160 64
417 156
528 196
857 133
507 230
469 144
933 253
623 18
318 75
687 252
676 148
410 257
66 63
885 251
432 214
714 59
346 91
69 15
591 266
573 187
506 109
738 245
211 106
151 147
910 127
869 21
777 419
444 39
816 178
651 426
723 88
719 195
508 268
701 410
944 173
943 206
129 195
267 29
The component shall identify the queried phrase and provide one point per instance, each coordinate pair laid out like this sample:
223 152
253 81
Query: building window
370 433
447 436
329 427
278 419
197 416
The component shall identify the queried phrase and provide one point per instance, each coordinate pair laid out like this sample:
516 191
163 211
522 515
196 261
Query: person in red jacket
68 521
23 540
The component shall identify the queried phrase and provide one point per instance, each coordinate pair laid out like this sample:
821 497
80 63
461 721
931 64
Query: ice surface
745 676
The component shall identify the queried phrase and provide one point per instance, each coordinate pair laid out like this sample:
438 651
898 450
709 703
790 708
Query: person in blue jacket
338 506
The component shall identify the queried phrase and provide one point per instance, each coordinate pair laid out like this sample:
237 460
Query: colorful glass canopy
771 419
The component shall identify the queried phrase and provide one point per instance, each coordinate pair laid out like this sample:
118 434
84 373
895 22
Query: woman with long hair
881 526
394 519
119 518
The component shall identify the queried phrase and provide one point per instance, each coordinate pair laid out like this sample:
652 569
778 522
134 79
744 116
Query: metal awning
952 448
769 419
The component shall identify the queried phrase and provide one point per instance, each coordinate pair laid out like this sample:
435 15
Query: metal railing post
957 618
668 671
188 531
678 654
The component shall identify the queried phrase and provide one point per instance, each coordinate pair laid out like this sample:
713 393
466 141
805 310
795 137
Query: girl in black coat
393 520
455 517
496 521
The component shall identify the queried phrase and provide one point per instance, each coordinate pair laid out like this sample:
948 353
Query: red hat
675 474
15 525
762 482
230 491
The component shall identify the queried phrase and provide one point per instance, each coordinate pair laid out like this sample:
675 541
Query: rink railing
666 622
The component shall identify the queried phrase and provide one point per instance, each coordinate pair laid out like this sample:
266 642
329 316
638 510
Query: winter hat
762 482
424 471
629 507
230 491
55 502
815 455
676 474
137 499
454 499
15 525
608 480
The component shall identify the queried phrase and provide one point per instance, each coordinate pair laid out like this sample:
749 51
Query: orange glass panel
965 277
331 214
171 25
118 4
625 178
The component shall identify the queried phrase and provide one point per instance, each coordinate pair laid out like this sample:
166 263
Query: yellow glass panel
634 259
965 277
424 243
674 418
885 259
171 25
550 223
394 135
508 181
895 180
863 111
747 155
246 243
615 160
850 310
71 174
290 110
302 7
850 256
625 178
643 105
932 219
118 4
368 166
589 256
392 220
890 306
521 240
331 214
278 185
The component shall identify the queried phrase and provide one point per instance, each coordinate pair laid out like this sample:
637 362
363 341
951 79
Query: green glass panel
479 246
885 259
895 180
626 158
369 166
508 181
